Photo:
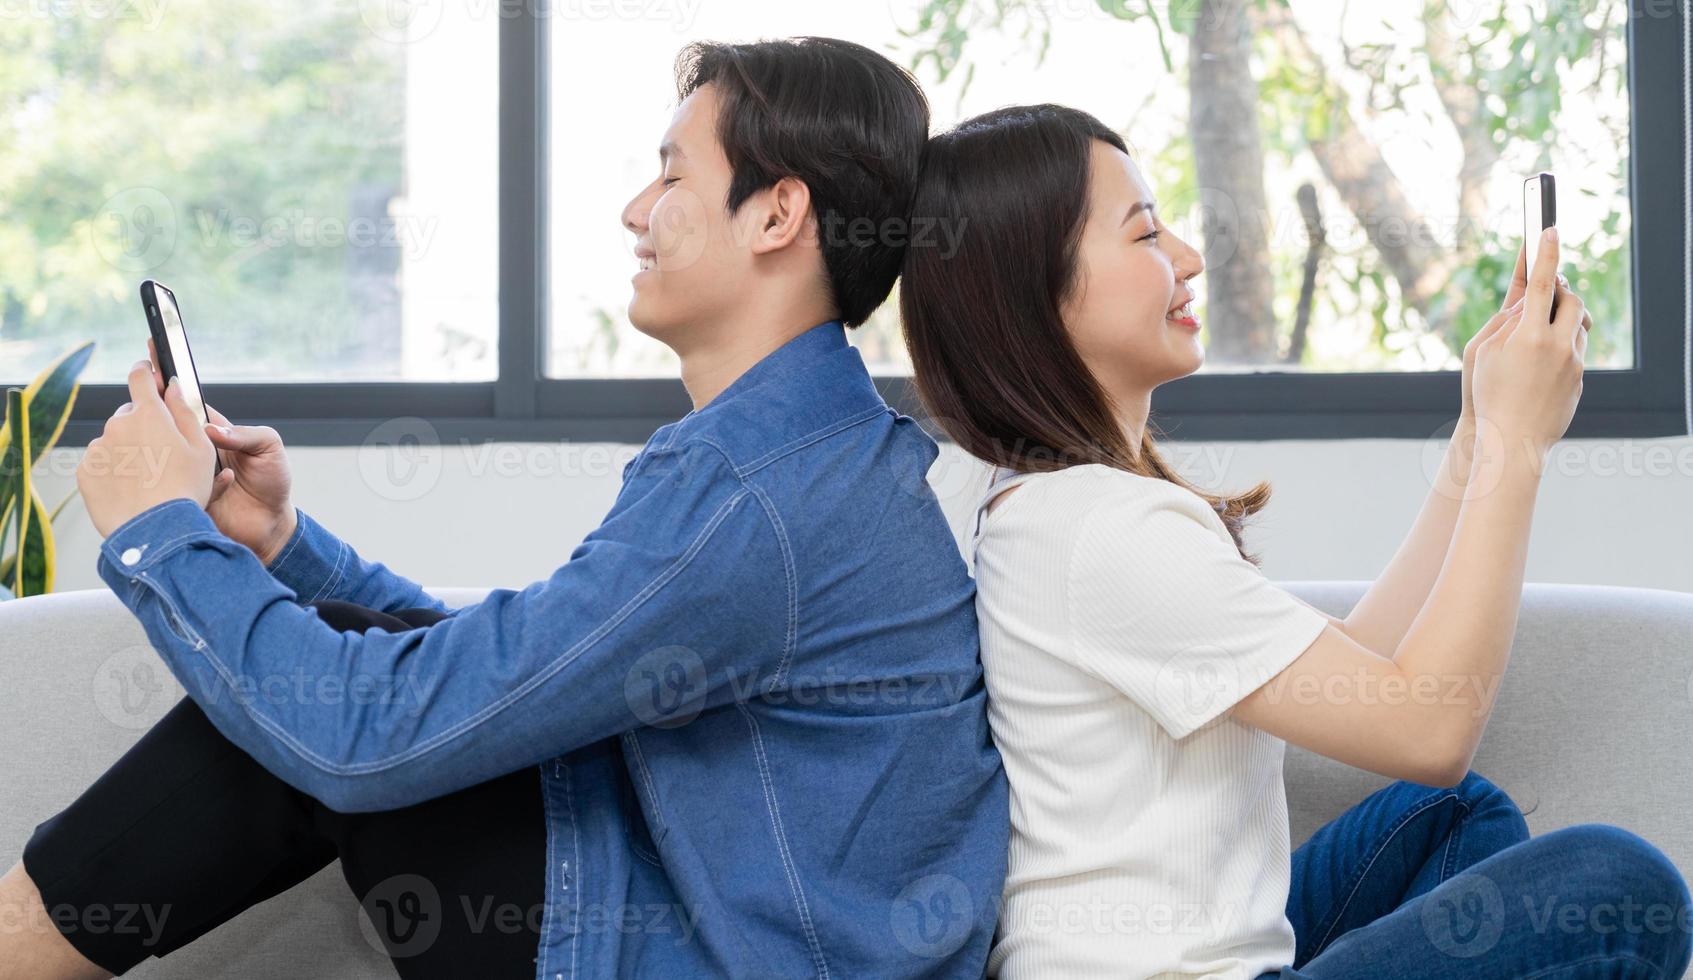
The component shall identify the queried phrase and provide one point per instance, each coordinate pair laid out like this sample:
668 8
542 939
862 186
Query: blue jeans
1417 882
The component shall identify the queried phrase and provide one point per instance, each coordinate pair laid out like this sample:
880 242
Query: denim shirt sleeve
682 600
318 565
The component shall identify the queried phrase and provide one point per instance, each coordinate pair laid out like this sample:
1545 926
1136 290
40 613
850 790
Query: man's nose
635 213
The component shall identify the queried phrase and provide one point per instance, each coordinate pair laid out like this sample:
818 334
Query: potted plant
35 417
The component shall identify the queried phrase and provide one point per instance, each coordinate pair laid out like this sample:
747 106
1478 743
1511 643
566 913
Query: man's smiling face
690 250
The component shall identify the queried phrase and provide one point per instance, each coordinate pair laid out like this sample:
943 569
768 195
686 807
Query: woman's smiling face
1132 274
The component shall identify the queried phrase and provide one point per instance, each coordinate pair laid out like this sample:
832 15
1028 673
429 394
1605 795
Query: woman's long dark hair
995 366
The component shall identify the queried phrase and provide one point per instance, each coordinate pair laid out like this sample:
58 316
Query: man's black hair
837 116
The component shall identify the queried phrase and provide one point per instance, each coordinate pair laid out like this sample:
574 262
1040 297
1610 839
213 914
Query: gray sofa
1595 723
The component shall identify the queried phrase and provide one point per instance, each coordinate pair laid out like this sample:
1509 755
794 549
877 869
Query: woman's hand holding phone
251 499
1528 368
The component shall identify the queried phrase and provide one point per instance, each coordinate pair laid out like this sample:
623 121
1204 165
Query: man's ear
784 215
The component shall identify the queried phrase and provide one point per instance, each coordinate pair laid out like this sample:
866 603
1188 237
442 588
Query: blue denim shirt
752 694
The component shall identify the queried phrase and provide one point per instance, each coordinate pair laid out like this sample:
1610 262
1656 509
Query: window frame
524 405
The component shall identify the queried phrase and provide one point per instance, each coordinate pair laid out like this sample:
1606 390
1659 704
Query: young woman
1144 676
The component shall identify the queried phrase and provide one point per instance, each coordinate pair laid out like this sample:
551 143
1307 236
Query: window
316 182
1412 132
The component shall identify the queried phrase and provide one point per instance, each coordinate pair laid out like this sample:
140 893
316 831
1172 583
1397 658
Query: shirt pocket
641 797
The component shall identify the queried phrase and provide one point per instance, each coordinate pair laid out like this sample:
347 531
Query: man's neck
709 370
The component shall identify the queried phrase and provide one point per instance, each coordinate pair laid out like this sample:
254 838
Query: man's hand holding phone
152 450
251 499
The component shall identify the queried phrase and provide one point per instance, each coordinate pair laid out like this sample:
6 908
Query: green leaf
1184 14
9 563
14 472
34 576
51 396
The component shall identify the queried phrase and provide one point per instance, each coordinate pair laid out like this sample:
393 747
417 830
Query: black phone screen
176 359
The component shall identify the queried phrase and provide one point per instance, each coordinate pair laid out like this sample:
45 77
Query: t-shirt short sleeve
1163 607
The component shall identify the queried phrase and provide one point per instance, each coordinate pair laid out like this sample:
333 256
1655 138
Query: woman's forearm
1381 618
1462 636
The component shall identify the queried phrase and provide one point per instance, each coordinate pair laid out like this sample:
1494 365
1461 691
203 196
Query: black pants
186 831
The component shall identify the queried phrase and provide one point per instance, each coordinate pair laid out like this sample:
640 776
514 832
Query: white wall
1616 512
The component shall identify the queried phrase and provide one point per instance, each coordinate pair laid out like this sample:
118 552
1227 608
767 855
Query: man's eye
667 181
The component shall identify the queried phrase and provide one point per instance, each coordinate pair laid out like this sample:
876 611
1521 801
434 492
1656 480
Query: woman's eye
1150 234
667 181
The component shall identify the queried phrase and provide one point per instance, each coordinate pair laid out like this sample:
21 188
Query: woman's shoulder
1094 486
1062 505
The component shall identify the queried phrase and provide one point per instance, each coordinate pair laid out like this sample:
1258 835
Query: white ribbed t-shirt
1149 833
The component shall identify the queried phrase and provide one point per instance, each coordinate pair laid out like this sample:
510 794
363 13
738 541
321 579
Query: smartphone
1540 211
170 343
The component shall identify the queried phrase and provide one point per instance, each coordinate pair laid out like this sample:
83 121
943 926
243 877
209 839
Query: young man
747 713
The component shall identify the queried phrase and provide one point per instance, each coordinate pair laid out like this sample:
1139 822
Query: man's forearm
318 565
1382 617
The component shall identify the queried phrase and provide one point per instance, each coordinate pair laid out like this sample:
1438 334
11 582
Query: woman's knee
1480 793
1623 859
1482 798
1625 886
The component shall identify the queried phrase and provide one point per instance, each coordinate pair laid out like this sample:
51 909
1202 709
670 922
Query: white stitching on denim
721 451
539 678
782 851
1404 818
646 777
1454 838
550 906
334 573
816 436
792 577
162 550
299 535
576 856
1607 958
173 614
